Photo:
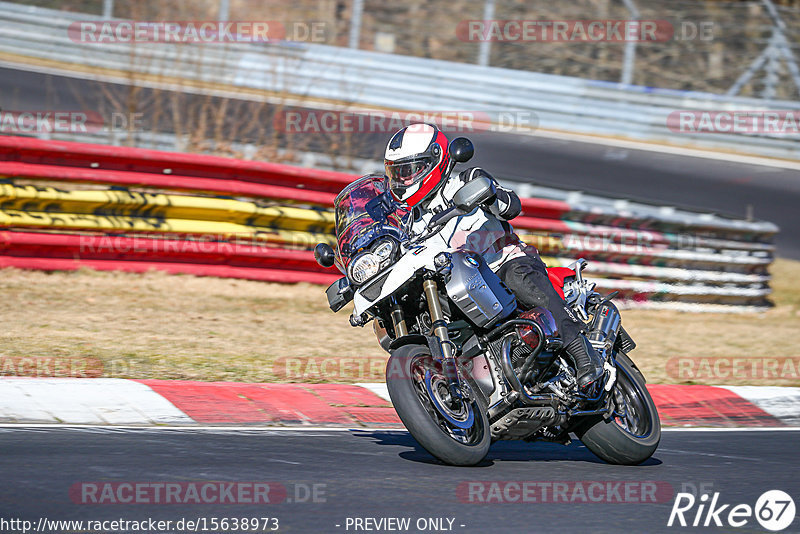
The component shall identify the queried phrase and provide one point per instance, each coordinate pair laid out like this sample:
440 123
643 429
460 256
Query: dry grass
165 326
183 327
749 338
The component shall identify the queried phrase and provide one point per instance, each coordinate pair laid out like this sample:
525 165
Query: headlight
364 267
367 265
384 251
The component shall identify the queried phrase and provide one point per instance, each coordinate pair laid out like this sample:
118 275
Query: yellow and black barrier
204 214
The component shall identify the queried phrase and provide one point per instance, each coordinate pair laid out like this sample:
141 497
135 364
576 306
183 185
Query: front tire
455 434
633 433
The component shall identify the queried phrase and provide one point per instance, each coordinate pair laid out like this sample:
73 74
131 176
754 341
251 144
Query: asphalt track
380 474
726 187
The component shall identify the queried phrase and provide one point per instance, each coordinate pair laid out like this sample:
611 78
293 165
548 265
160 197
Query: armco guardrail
68 205
319 76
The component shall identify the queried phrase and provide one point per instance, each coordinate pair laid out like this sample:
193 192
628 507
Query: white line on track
715 455
266 429
733 429
190 428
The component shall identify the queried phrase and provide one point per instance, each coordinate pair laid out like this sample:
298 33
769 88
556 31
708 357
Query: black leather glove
507 204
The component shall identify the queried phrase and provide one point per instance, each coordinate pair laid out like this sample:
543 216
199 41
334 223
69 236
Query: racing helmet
416 161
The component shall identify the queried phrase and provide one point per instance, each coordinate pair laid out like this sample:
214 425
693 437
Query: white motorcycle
467 366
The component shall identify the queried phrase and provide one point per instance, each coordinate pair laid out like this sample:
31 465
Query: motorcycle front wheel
454 431
631 435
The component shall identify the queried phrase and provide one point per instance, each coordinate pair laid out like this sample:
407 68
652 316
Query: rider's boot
588 363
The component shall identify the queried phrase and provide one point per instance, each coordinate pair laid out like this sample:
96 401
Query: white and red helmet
416 162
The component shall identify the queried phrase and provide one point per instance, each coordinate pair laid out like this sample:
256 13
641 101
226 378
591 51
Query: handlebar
436 223
445 216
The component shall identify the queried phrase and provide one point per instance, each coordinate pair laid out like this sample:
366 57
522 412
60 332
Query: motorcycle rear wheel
633 433
455 433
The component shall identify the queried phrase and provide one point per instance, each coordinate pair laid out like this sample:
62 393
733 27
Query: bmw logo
471 261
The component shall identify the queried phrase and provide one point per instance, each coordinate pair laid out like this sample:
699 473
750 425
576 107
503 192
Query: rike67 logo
774 510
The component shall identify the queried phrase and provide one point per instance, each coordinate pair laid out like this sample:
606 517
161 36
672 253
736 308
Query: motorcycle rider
418 165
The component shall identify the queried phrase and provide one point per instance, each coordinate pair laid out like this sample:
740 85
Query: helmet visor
405 176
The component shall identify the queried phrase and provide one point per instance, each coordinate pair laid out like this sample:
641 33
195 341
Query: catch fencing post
629 60
224 10
486 44
355 23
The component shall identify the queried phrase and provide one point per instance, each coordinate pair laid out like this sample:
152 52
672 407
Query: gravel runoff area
89 323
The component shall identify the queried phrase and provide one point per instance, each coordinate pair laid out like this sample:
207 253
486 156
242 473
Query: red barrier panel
555 226
581 231
106 157
147 249
164 181
542 207
223 271
609 234
185 168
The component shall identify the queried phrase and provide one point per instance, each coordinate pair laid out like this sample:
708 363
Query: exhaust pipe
604 328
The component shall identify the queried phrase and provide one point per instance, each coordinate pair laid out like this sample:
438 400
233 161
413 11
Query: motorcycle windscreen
355 228
351 204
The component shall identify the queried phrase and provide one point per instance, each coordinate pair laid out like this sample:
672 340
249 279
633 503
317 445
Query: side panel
477 291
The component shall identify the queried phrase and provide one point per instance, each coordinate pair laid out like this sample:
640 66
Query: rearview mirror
324 255
474 193
380 207
461 150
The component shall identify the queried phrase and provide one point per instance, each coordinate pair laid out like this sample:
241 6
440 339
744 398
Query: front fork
446 347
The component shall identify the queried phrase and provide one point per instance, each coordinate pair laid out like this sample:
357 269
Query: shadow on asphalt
501 451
